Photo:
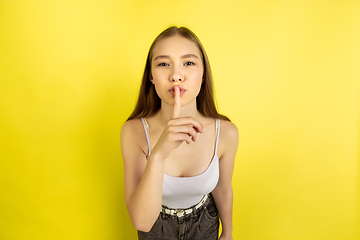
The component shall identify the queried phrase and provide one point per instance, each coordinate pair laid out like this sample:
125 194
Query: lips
181 88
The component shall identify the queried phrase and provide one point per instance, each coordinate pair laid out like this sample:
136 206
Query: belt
183 212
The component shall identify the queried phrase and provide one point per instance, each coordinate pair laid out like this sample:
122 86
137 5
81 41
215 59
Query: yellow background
286 73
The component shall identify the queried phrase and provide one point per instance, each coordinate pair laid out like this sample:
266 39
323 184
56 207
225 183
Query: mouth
172 90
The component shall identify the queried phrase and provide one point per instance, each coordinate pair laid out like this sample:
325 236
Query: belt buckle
180 213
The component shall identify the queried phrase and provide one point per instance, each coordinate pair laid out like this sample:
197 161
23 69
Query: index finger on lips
177 103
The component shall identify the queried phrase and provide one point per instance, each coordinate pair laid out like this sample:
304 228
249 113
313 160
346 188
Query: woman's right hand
178 130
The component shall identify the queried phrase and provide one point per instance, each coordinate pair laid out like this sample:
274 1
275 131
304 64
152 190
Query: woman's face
177 61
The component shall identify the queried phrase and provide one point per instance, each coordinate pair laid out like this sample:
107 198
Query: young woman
178 151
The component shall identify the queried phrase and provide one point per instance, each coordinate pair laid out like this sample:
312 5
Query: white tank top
185 192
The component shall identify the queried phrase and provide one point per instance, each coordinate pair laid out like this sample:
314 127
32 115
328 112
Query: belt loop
194 210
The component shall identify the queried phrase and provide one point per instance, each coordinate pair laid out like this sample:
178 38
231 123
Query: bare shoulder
131 125
133 135
228 131
229 138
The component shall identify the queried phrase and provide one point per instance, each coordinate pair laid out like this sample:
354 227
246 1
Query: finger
183 137
177 103
185 129
187 121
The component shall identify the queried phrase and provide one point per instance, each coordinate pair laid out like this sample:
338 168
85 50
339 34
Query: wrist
154 157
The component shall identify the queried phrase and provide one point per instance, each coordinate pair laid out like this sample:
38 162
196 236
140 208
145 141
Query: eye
189 64
163 64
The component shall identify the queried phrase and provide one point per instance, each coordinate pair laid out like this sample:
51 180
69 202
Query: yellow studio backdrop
286 73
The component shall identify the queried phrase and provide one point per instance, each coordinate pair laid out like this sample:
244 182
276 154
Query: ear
151 78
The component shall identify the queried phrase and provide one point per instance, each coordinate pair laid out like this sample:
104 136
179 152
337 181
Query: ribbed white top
184 192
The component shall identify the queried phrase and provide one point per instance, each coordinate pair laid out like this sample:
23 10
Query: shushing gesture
178 130
177 103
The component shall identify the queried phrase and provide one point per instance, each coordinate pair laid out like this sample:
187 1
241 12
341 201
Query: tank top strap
217 129
146 128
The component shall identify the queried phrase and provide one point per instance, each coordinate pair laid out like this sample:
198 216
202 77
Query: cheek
160 89
156 78
159 77
197 77
198 72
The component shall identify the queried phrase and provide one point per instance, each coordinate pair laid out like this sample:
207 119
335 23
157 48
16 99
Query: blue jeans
202 223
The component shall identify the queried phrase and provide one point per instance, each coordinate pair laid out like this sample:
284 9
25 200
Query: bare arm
143 180
144 177
223 193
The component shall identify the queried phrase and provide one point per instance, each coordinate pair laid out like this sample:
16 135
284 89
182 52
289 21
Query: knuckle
171 136
191 129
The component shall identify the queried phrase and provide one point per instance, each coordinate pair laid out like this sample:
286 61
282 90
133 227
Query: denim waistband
183 212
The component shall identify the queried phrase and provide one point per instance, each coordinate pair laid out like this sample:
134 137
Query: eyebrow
183 56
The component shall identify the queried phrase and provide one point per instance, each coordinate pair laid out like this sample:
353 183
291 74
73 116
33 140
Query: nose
177 75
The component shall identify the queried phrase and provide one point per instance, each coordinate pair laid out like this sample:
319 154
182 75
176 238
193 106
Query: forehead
176 46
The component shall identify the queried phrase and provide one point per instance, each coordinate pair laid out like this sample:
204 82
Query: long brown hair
149 102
